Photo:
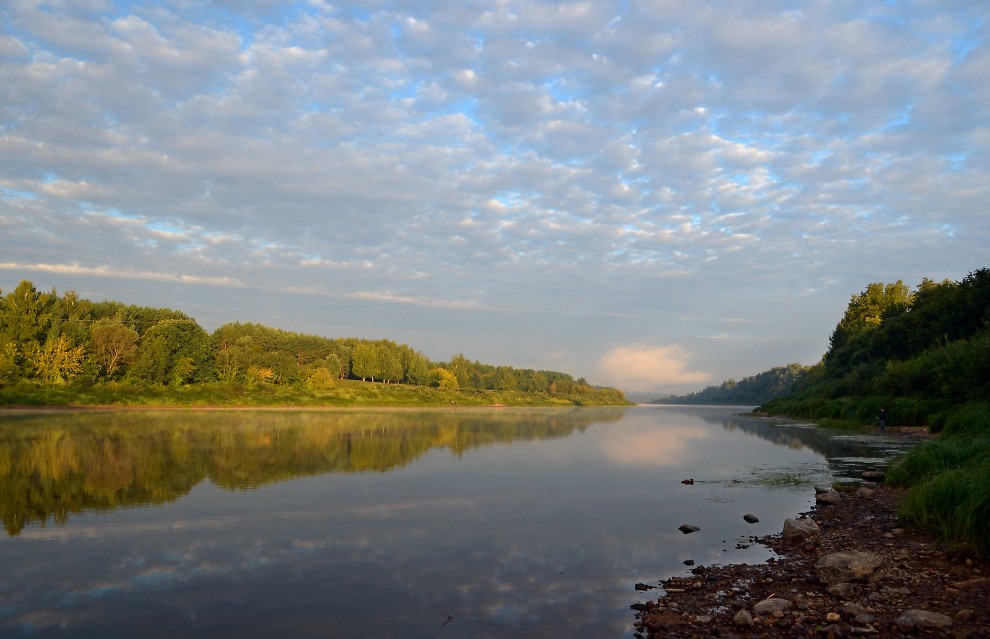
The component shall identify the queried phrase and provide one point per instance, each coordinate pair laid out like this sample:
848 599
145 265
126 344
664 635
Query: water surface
415 523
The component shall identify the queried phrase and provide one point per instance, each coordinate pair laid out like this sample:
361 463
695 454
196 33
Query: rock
687 529
833 617
751 519
743 619
831 497
644 587
772 606
865 492
822 489
923 620
689 562
843 590
687 482
798 529
873 475
703 620
847 566
971 583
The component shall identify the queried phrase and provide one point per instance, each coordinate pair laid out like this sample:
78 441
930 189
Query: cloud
636 368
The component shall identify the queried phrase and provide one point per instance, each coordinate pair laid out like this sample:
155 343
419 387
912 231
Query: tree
172 351
26 316
442 378
321 379
113 344
9 363
865 312
58 360
366 361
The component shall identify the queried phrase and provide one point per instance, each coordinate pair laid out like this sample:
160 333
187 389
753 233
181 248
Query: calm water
465 523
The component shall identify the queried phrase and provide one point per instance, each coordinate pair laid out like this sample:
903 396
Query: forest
749 391
924 356
53 345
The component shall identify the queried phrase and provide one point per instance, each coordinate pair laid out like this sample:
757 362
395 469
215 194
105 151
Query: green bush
968 419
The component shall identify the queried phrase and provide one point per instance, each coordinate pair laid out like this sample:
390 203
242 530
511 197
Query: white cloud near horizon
642 368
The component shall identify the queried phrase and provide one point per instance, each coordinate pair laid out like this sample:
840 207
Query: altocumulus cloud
637 368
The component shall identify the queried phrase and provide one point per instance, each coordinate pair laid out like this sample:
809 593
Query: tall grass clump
935 457
955 505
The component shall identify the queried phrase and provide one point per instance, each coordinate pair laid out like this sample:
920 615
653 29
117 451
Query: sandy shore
915 573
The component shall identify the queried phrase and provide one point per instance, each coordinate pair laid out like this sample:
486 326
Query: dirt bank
915 573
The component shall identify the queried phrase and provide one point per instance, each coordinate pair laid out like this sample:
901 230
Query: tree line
920 353
749 391
52 339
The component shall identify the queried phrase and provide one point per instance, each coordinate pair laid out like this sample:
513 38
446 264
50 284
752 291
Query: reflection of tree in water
797 436
56 463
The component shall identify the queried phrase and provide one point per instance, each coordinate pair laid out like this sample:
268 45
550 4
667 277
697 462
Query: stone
851 565
644 587
833 617
923 620
831 497
843 590
822 489
687 529
751 519
873 475
772 605
798 529
743 619
865 492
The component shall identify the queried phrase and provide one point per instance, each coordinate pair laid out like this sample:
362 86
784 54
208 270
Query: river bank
915 573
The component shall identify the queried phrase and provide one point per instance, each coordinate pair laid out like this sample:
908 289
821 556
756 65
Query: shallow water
425 523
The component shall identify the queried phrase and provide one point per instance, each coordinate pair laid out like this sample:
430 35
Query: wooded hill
749 391
51 340
924 355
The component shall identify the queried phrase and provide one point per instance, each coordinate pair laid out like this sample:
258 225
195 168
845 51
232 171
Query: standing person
883 420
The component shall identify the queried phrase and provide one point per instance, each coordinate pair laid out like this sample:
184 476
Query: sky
656 195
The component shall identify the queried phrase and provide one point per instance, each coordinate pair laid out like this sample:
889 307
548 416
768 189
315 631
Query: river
385 523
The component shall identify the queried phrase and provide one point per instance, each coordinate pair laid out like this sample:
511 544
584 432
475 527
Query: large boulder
830 497
850 565
798 529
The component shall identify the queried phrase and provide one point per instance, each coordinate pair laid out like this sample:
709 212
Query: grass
949 489
955 504
345 393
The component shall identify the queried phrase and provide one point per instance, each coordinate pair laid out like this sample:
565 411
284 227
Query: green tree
9 363
321 379
443 378
26 316
850 343
113 344
366 361
172 351
58 360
